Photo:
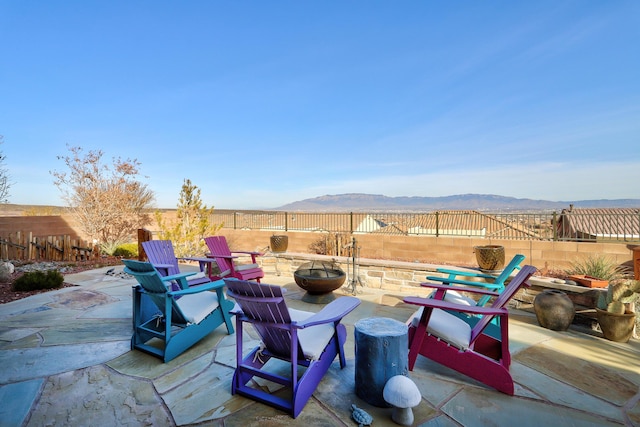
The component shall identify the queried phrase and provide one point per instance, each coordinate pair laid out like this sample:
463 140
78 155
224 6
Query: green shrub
36 280
126 250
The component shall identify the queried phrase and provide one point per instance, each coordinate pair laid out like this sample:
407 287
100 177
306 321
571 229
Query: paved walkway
66 360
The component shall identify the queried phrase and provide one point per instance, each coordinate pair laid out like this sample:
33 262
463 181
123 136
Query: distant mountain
479 202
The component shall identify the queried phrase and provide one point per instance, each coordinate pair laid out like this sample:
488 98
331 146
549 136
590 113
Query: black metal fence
566 226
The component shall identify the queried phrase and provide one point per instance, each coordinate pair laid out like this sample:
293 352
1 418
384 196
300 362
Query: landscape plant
598 266
36 280
5 183
192 224
108 202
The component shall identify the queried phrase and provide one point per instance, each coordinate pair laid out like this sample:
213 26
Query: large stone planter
554 310
490 257
616 327
279 243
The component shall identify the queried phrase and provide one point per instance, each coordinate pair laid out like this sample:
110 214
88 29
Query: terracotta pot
279 243
490 257
554 310
616 327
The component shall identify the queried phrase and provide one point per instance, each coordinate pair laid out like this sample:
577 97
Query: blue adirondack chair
185 316
162 255
310 340
493 283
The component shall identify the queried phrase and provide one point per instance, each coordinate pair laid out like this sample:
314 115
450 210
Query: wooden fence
26 247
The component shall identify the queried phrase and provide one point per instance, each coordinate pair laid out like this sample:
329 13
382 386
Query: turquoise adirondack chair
492 283
185 316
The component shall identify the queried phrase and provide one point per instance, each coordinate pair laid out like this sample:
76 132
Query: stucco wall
444 250
424 249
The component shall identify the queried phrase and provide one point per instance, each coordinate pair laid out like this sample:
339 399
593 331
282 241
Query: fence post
554 226
235 214
144 235
350 222
437 223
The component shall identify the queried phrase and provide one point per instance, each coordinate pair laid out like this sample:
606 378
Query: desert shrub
126 250
35 280
330 244
598 266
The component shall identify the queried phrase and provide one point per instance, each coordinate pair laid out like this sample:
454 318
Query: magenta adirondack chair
301 338
476 347
162 256
226 260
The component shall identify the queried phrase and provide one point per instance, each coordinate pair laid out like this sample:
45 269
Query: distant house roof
594 224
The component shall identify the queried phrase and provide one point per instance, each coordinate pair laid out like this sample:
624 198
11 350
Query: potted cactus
616 310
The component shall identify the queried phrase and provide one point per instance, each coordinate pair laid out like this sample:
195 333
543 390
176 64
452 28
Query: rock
6 270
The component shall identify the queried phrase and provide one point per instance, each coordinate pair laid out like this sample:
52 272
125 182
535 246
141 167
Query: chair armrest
199 259
446 305
466 282
248 253
332 312
464 273
211 286
438 286
221 256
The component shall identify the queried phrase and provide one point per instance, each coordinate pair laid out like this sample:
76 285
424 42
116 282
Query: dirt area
65 267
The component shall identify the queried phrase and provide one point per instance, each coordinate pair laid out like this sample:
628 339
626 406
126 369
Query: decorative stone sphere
554 310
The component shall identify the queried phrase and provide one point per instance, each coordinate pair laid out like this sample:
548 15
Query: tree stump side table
382 351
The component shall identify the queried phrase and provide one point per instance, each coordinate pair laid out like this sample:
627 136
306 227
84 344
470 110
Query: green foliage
35 280
598 266
127 250
193 223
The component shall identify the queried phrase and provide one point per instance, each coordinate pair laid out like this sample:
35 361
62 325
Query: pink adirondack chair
226 260
475 347
300 338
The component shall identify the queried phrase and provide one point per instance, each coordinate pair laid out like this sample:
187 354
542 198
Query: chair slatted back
161 252
515 263
266 307
154 287
218 246
504 297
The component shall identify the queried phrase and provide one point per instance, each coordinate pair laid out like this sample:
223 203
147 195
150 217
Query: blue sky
263 103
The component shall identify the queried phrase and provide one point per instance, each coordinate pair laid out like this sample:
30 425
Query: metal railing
569 226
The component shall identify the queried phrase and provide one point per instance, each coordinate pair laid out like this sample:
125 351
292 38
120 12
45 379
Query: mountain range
355 202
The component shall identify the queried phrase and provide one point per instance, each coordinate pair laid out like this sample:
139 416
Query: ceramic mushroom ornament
403 394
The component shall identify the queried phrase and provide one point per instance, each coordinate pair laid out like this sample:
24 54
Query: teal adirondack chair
492 283
185 316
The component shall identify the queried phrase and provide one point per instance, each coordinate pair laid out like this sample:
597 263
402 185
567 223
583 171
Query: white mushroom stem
402 416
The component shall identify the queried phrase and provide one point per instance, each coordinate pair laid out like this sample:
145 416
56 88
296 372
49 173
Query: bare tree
109 203
5 183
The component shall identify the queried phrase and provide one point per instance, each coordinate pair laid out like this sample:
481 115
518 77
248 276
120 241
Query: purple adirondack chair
475 347
301 338
226 260
162 256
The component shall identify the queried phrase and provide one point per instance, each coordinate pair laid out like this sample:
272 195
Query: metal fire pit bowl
319 279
